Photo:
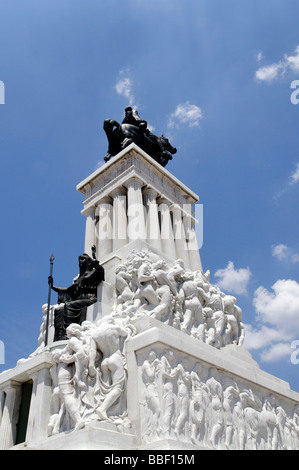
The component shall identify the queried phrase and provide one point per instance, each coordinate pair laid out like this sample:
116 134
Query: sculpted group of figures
183 299
189 401
89 375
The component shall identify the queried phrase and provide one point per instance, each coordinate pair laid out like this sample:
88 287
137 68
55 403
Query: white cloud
277 352
280 251
124 86
293 60
293 179
295 175
279 308
263 336
284 253
268 73
277 319
276 70
233 280
295 258
185 113
259 56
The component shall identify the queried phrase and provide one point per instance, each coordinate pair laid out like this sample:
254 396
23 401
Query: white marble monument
158 363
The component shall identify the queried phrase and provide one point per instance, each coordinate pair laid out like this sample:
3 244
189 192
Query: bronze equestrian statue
134 129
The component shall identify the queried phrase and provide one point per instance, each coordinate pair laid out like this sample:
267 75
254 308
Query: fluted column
119 197
39 413
152 219
193 250
180 236
8 427
167 237
90 230
136 216
104 228
2 401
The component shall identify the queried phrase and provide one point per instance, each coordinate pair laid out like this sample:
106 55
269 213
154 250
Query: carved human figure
284 427
105 338
245 399
269 416
199 394
295 422
65 375
56 402
230 397
216 409
164 290
169 375
183 384
214 322
150 371
232 314
146 284
122 280
193 314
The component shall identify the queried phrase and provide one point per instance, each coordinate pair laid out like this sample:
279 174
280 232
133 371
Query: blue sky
216 78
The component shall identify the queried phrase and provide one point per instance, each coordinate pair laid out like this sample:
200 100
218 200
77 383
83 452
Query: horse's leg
125 143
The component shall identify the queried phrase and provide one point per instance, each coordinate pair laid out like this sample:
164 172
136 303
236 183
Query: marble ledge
25 368
130 151
232 359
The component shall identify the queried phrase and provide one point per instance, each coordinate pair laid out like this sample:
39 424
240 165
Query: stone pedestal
135 198
181 394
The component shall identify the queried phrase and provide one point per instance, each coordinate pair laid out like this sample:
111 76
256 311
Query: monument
142 351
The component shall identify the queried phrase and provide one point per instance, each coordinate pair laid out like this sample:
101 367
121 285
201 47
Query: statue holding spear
74 300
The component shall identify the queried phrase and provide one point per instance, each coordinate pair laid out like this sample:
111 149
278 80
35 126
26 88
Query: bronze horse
121 135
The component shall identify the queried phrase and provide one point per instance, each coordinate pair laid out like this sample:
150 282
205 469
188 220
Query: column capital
133 179
104 200
163 200
120 190
151 192
12 386
90 210
176 209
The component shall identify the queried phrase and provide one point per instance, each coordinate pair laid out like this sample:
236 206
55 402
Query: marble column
8 427
2 401
119 197
90 230
180 236
193 250
167 237
136 216
104 231
152 219
39 412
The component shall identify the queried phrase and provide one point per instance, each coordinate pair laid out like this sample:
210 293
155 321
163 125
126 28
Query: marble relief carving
89 375
179 397
147 285
190 401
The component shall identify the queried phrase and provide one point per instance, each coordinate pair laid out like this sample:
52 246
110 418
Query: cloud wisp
124 86
235 281
283 253
185 113
294 178
269 73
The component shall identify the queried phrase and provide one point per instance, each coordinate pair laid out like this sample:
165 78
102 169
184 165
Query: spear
49 300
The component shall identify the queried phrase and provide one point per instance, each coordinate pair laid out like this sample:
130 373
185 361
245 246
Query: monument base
181 394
